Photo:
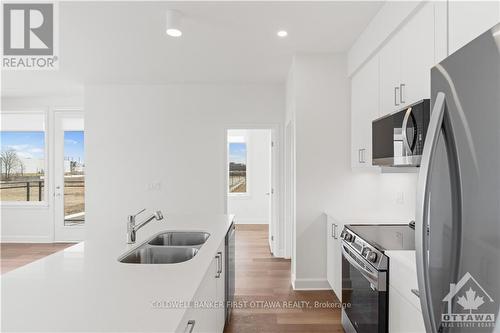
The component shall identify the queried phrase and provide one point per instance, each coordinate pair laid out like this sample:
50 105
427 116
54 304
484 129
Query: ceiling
223 42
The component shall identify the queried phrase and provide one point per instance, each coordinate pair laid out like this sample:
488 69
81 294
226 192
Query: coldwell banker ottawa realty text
30 36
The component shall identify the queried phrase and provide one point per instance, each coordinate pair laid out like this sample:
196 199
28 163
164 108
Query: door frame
276 225
62 233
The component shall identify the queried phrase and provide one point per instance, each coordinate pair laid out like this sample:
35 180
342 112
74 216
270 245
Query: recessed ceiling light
282 33
174 32
174 23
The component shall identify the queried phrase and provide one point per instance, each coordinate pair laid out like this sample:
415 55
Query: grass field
74 195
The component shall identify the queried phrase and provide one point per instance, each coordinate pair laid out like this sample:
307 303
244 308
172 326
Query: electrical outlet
400 198
156 186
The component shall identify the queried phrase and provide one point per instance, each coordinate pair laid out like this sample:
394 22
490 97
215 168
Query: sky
32 144
26 144
73 145
237 152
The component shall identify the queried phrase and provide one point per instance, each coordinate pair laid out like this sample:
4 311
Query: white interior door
69 176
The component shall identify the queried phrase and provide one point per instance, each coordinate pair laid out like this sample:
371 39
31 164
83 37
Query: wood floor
263 282
13 255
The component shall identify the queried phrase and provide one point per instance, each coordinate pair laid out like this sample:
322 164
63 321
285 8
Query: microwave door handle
404 132
372 278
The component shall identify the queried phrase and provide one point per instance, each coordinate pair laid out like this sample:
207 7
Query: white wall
35 223
253 206
169 136
324 178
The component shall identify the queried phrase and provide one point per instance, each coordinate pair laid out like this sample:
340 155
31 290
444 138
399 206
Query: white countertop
85 288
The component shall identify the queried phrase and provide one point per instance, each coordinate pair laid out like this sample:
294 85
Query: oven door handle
373 278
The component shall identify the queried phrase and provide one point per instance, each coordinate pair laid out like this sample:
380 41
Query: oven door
364 294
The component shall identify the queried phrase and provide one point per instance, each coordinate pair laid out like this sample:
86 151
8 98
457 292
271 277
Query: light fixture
174 23
282 33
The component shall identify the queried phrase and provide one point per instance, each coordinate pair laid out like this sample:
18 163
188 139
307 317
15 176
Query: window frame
248 182
46 201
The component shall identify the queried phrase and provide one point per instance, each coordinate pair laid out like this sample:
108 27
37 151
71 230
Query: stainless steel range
365 273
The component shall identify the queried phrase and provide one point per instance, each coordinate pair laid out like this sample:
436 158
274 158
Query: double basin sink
167 248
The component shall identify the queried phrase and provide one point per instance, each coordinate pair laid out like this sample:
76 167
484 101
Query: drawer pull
415 292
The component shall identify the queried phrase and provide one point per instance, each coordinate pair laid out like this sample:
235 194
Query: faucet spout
132 227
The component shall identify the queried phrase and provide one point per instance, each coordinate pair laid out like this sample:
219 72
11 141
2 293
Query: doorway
251 164
69 176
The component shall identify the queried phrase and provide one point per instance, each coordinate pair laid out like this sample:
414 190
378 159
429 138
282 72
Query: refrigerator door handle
421 235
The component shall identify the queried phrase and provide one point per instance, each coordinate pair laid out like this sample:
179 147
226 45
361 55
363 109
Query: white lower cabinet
405 314
404 317
334 255
207 316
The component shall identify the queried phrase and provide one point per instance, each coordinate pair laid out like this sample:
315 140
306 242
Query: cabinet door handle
361 155
396 93
401 93
190 326
220 260
217 274
219 264
334 230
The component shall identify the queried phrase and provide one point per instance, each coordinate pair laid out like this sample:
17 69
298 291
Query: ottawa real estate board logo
468 305
30 36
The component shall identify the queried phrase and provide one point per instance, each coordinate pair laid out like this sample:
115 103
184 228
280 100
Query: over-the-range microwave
398 138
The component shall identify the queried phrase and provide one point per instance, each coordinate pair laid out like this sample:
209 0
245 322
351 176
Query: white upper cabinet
469 19
406 60
364 109
417 56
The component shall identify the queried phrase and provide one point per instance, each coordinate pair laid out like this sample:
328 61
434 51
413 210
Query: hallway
263 282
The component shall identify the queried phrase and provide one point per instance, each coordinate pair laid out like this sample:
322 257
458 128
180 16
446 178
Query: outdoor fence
33 189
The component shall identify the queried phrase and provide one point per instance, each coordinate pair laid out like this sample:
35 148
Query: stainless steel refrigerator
458 199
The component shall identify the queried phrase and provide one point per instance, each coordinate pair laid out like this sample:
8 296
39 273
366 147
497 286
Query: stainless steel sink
180 238
158 255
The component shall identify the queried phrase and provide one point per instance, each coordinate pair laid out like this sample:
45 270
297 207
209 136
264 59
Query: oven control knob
372 256
348 237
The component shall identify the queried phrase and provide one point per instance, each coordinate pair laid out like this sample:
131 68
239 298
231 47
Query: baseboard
26 239
310 284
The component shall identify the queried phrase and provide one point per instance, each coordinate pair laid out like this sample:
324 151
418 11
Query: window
22 157
238 181
74 178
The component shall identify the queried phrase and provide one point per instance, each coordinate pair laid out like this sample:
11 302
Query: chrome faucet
132 227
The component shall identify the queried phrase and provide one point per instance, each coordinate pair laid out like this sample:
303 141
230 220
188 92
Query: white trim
310 284
61 232
278 226
27 239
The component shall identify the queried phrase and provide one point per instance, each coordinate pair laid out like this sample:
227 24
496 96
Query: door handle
334 231
190 326
361 155
401 93
219 264
217 274
415 292
396 93
404 133
422 207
